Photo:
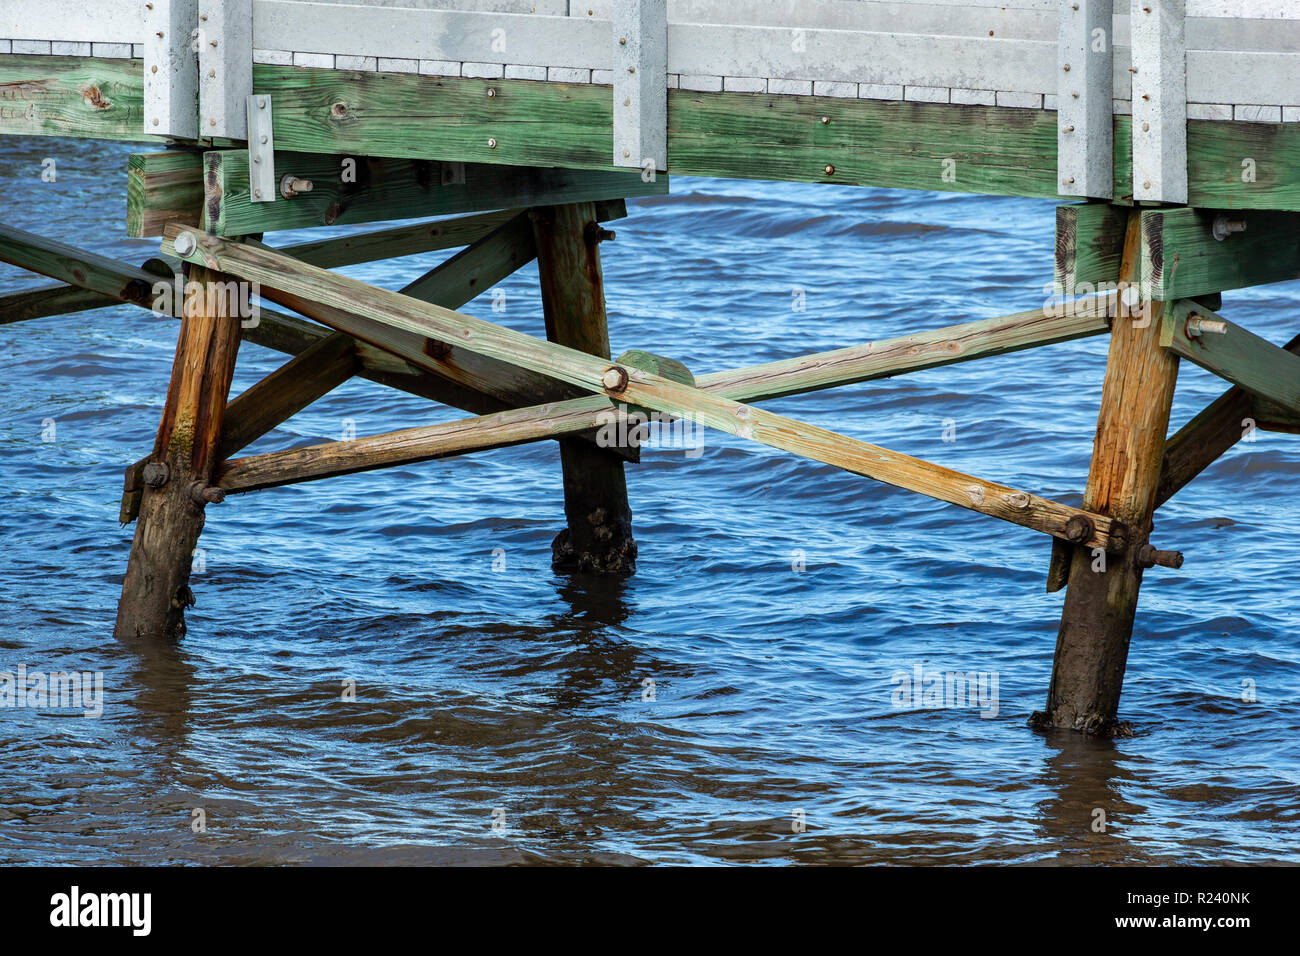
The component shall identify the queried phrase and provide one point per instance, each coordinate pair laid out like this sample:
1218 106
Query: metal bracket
225 49
641 84
1084 99
1159 100
171 69
261 149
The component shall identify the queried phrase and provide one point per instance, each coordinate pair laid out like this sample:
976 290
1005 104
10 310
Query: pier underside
526 168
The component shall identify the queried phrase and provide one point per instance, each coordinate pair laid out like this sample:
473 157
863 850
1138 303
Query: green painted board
1236 355
1089 246
1181 258
381 188
73 96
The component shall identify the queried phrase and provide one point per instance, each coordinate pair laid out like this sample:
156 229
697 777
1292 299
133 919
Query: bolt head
185 243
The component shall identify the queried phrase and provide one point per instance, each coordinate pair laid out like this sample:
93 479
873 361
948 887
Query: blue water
516 698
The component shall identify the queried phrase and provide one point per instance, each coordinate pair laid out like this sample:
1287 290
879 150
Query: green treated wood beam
1271 417
1232 353
282 279
1214 430
996 150
1089 244
748 136
49 300
1181 258
161 188
354 189
82 97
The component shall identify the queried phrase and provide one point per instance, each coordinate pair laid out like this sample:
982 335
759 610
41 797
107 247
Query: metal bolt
205 494
185 243
1148 556
257 193
622 41
291 186
1198 324
1146 127
1078 529
825 120
1146 185
156 473
614 379
1066 68
492 143
261 104
1224 227
594 232
1069 129
491 92
830 170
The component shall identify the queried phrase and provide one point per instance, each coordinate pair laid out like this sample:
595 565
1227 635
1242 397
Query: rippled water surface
517 697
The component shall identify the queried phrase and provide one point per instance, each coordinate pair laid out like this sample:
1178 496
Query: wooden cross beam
352 189
1205 438
1232 353
284 279
61 299
751 384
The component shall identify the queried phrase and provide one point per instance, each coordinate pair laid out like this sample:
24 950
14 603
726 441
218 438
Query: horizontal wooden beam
900 144
1232 353
78 267
354 189
1183 258
161 188
282 278
1205 438
1089 243
410 445
910 145
75 96
58 299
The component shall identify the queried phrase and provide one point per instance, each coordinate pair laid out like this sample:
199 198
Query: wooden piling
598 537
155 590
1101 601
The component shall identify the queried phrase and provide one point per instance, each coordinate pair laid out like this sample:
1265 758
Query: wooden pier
1168 129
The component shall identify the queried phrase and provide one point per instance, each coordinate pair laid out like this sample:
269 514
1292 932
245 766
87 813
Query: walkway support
598 537
155 591
1101 602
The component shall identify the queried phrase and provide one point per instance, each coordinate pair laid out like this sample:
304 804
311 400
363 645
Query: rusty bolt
1078 529
204 494
614 379
830 170
1148 556
156 473
291 186
594 232
1224 227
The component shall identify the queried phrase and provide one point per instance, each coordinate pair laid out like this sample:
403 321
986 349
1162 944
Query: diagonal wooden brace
281 278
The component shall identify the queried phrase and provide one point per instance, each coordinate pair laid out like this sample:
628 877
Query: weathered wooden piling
1102 596
155 590
598 536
